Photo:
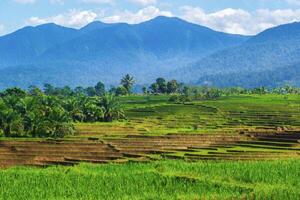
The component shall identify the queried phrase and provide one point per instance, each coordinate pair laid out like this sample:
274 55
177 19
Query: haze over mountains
270 58
167 47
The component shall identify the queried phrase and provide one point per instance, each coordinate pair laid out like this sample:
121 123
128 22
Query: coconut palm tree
111 108
127 82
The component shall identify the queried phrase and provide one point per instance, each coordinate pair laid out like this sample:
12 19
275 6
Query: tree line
52 111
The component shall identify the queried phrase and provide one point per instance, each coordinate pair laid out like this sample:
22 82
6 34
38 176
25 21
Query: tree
162 85
121 91
100 89
92 111
48 89
65 91
17 92
10 120
154 88
34 91
212 93
172 86
186 91
144 89
90 91
36 114
127 82
111 107
79 90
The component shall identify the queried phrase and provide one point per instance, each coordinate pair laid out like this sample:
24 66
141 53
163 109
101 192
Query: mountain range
163 46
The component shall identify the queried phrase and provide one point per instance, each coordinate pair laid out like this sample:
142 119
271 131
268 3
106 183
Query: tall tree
162 85
154 88
145 90
127 82
172 86
121 90
111 107
100 89
90 91
48 89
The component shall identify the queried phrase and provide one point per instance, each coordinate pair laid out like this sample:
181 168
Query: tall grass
156 180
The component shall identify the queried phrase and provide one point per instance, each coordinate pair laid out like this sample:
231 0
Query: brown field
246 146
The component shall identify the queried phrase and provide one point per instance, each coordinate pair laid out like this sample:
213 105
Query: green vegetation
147 142
155 115
35 114
177 109
156 180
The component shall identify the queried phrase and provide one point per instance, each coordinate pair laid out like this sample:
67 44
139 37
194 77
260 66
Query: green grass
154 115
156 180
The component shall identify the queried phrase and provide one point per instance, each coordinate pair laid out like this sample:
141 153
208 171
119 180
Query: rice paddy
235 147
156 180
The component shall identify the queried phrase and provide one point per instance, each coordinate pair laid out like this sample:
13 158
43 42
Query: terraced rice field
230 128
146 148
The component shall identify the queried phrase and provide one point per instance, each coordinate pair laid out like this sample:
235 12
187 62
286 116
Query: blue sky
232 16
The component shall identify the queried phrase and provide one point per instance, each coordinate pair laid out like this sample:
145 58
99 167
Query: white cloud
293 2
137 17
1 29
98 1
138 2
60 2
24 1
77 18
74 18
144 2
239 21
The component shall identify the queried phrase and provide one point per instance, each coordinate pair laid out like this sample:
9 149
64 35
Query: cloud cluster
98 1
73 18
60 2
294 2
77 18
137 17
239 21
143 2
230 20
1 28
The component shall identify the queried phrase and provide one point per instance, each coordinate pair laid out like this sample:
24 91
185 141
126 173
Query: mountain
100 51
24 45
162 37
287 75
272 51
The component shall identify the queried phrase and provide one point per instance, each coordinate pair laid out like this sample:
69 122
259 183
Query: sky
246 17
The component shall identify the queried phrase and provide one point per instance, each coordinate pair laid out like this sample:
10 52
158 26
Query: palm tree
10 121
127 81
92 112
111 107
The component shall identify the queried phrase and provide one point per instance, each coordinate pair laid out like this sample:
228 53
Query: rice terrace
229 128
236 146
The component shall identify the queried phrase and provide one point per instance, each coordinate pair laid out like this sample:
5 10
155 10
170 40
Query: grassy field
154 115
156 180
243 147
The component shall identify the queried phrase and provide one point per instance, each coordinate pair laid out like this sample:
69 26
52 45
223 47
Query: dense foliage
51 113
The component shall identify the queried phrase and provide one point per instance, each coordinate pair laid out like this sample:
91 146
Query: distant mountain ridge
105 51
274 49
163 46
